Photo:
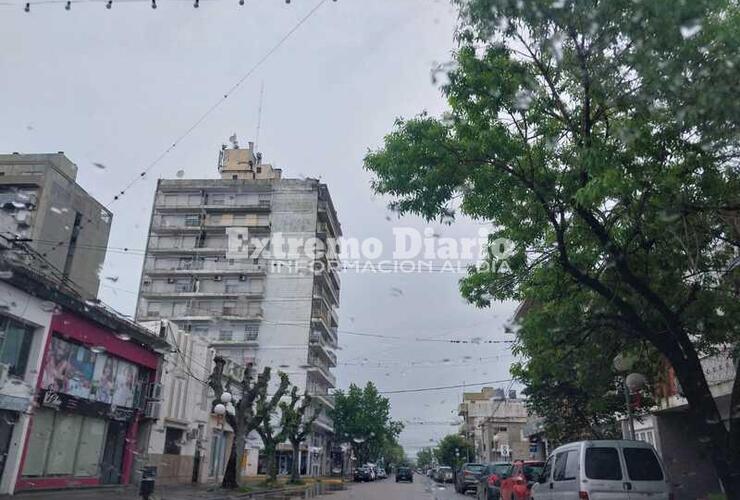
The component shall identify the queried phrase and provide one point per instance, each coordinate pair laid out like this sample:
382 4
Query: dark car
363 474
404 474
467 477
489 482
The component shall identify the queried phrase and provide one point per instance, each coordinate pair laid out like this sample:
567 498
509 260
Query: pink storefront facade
89 404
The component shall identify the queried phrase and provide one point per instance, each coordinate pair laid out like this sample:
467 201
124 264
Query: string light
27 8
241 2
196 4
154 6
68 5
109 4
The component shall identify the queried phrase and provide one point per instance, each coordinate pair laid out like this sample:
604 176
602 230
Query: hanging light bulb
109 4
68 5
27 8
241 2
154 4
196 4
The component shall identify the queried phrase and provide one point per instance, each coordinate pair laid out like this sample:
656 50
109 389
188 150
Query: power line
445 387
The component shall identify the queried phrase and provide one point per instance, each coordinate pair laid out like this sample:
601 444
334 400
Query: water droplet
690 28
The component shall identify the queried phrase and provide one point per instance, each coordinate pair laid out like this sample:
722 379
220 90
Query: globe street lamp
632 383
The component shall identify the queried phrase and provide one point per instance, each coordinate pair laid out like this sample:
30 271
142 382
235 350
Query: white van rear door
647 480
602 469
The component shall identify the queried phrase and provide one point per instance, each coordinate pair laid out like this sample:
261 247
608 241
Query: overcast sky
118 86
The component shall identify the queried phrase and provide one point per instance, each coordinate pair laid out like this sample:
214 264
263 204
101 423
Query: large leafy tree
424 458
362 418
601 137
454 450
296 421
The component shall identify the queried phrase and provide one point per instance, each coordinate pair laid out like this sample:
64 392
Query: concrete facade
41 201
273 306
494 423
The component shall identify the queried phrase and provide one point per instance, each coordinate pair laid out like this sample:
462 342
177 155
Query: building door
196 464
115 440
7 423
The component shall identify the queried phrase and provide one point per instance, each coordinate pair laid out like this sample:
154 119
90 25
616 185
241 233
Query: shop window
64 444
15 341
172 441
90 449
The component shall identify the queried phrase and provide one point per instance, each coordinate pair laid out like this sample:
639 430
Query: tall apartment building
253 307
41 201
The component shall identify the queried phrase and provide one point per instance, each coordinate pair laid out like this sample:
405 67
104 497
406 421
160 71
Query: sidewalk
162 492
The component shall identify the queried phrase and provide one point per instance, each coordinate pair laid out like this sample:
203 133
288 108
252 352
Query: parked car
381 473
362 474
467 476
404 474
444 474
373 471
519 479
490 480
618 469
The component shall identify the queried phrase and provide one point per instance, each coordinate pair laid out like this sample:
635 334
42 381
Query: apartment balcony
175 294
211 267
238 339
322 292
169 250
208 226
225 206
325 422
200 314
322 371
325 318
322 346
325 399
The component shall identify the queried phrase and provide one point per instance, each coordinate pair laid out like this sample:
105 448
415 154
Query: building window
225 335
172 441
251 330
15 341
192 220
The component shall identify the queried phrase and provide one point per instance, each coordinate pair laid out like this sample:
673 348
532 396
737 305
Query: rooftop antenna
259 115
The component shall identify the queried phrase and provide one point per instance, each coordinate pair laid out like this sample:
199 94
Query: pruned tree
271 437
296 426
249 409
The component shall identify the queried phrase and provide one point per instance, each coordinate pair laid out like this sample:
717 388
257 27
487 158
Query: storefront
91 390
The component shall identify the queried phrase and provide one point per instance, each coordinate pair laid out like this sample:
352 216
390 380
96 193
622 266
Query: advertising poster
104 378
82 365
57 367
126 375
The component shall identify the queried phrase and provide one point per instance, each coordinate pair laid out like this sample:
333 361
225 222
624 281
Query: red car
519 480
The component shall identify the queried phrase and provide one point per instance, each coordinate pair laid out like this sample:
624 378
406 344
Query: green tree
454 450
424 458
601 138
362 418
271 435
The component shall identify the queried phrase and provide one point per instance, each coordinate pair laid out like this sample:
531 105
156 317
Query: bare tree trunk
271 464
229 481
295 471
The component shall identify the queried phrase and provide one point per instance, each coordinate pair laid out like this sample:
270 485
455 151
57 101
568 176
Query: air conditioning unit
155 391
170 280
153 409
242 277
217 278
22 217
4 372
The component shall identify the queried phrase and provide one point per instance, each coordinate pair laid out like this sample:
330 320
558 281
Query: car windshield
532 472
500 469
474 467
445 469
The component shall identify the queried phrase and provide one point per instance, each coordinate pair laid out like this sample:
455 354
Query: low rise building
494 422
77 384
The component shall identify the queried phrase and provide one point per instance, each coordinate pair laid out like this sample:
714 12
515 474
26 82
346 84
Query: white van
603 470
